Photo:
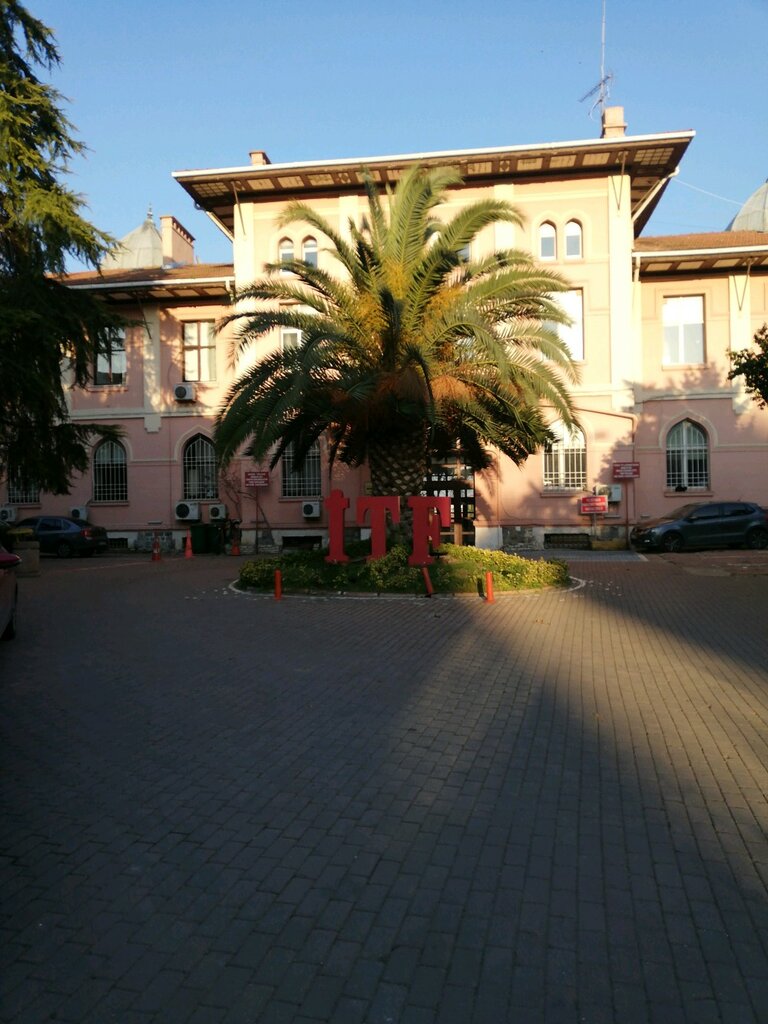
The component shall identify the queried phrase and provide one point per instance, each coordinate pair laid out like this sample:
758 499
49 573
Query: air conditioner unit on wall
217 513
184 392
7 514
310 509
187 510
612 491
78 512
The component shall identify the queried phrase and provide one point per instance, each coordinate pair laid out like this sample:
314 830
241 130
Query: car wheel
64 549
10 630
757 539
672 542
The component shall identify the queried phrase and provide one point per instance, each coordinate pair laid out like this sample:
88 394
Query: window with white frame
683 320
565 459
290 337
687 456
23 494
199 351
309 251
110 365
285 253
110 472
547 241
200 470
573 250
304 482
572 304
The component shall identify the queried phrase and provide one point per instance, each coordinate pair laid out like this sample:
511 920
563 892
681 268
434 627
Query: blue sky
155 87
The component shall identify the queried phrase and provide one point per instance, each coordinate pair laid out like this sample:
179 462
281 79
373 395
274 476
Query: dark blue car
711 524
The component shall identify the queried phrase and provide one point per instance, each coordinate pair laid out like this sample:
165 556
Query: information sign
592 504
257 478
626 470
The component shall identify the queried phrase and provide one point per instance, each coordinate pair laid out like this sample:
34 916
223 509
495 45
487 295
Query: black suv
711 524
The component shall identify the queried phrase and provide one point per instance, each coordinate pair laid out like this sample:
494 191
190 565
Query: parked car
62 536
9 594
710 524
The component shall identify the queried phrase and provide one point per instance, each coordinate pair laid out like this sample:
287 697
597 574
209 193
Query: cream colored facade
635 389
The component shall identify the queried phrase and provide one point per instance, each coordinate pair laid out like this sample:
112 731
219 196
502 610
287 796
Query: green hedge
457 570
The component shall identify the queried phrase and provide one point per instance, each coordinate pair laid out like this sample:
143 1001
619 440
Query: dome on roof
140 248
753 216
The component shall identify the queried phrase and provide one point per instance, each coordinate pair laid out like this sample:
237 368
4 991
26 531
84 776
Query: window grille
687 456
111 366
200 470
199 351
21 494
565 460
110 472
303 483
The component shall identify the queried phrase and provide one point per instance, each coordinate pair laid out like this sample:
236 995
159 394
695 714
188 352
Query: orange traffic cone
156 549
188 546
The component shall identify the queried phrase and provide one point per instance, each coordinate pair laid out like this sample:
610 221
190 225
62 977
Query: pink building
654 320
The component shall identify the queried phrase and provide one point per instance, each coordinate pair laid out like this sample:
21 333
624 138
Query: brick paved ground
222 809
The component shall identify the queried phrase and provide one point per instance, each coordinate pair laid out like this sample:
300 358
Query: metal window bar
687 456
200 470
303 483
565 467
20 495
110 475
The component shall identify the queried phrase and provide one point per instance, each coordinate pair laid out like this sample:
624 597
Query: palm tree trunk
398 466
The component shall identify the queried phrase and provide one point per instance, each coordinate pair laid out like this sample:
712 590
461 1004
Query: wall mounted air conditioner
7 514
78 512
184 392
613 493
187 510
217 513
310 509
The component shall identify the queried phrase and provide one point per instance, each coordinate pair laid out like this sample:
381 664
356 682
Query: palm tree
412 350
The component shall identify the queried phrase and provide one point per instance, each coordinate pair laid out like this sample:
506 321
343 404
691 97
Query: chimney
614 125
178 244
259 158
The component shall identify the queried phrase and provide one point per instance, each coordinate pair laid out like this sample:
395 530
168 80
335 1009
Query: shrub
456 570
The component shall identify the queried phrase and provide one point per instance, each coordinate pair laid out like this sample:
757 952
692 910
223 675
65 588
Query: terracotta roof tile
188 272
703 240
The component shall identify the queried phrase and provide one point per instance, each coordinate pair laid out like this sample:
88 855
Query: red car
9 594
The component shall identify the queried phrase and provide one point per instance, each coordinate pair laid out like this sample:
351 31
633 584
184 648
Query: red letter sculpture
335 504
378 507
426 527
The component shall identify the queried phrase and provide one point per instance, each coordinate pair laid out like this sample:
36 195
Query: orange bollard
278 585
156 549
188 545
489 598
427 580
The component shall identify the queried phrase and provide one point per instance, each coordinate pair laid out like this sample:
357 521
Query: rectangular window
572 304
110 366
289 338
199 351
683 320
18 494
306 482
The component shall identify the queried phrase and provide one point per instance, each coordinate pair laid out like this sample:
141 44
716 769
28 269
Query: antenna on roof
601 90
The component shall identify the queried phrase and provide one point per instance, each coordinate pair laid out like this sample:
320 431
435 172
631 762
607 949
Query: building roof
649 160
705 251
753 216
197 281
142 247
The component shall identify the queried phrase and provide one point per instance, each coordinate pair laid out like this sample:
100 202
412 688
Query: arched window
573 240
547 241
687 456
309 251
110 472
565 459
285 252
200 470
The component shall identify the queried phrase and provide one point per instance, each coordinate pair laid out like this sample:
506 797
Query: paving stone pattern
224 809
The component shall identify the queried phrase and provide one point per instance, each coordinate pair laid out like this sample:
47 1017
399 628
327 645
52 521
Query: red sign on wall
592 504
257 478
626 470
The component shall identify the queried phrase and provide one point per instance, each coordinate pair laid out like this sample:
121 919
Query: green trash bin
200 539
